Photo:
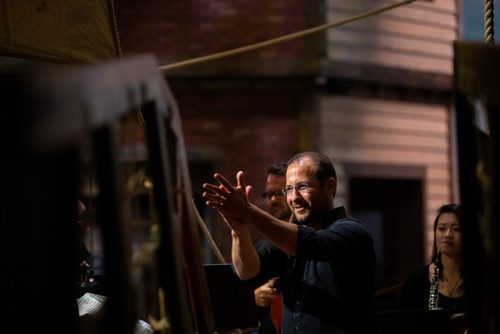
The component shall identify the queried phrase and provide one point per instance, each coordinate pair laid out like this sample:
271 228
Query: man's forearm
243 254
283 234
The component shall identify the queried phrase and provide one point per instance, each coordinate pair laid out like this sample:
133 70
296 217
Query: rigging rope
489 30
206 232
281 39
261 45
114 23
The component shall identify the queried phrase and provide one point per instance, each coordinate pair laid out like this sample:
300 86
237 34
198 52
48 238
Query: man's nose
294 194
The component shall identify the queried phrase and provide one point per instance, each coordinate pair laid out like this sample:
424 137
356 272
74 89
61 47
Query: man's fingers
213 193
212 187
274 281
212 197
240 179
228 186
248 192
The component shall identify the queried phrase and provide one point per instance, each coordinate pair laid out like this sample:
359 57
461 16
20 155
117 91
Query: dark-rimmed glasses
270 194
301 187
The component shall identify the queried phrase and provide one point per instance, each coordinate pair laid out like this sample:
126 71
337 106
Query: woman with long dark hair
440 285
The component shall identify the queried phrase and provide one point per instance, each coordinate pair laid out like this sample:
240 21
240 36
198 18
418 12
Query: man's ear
331 186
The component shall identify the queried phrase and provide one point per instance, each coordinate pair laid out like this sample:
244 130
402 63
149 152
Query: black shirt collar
328 218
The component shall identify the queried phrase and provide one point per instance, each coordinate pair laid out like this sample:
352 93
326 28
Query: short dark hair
324 166
277 169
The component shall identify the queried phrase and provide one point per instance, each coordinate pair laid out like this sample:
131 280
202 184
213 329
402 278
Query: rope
281 39
257 46
206 232
489 30
114 23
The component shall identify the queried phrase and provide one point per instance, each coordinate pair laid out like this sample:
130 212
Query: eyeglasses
270 194
301 187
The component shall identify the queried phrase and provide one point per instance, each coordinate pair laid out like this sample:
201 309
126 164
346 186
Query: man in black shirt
267 295
325 260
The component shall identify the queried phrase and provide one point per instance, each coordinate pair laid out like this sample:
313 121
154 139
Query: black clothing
415 294
266 325
328 287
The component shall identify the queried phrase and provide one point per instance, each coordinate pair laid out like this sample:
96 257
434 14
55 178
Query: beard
309 219
280 213
304 218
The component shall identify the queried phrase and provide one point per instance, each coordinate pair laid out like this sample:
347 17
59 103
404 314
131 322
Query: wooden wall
381 132
417 36
414 40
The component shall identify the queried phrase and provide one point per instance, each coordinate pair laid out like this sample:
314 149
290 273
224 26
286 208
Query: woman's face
449 235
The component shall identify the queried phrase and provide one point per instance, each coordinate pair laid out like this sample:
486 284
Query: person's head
311 183
448 231
82 224
81 211
276 199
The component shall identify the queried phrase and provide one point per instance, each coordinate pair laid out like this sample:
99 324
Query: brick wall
180 30
188 28
238 113
242 120
240 129
237 125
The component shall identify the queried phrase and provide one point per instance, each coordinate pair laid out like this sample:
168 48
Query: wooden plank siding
445 6
415 37
380 132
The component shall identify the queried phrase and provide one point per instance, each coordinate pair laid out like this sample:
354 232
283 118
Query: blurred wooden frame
69 102
477 112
